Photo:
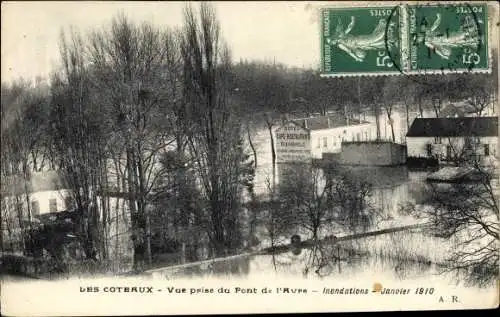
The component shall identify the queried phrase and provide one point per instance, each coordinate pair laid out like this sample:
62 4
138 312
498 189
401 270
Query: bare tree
24 115
215 141
391 96
315 202
371 94
432 92
76 139
135 69
469 213
307 194
410 97
316 199
480 93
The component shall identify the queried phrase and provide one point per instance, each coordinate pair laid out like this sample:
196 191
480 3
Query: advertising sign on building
293 144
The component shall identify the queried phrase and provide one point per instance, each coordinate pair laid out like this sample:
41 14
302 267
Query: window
437 140
366 136
319 143
448 151
468 143
68 202
358 137
334 139
52 205
429 149
325 142
35 208
486 150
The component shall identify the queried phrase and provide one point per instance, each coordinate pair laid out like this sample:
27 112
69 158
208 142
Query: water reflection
403 254
392 187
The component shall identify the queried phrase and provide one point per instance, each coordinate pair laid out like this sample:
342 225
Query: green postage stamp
405 39
361 40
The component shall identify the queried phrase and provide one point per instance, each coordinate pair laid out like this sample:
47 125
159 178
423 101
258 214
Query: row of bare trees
272 90
22 111
143 114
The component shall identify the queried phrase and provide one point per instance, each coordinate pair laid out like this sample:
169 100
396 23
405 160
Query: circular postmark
395 56
439 38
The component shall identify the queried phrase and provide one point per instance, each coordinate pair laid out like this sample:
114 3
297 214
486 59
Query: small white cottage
44 191
449 138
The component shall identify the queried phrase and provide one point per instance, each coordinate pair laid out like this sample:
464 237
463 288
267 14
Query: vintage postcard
248 157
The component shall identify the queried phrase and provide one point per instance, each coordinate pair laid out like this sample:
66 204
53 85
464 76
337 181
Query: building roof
454 127
326 122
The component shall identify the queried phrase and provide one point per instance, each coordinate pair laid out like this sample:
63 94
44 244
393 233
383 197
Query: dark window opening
52 205
35 208
486 150
68 203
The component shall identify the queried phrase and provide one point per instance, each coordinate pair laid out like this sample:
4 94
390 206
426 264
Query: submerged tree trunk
377 120
273 150
252 147
391 123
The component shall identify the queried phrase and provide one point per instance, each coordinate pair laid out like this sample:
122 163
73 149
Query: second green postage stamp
448 38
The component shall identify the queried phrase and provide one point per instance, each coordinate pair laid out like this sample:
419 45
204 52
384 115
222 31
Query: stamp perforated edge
405 40
319 11
488 26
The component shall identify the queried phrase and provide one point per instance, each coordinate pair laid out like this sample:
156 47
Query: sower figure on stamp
443 44
356 46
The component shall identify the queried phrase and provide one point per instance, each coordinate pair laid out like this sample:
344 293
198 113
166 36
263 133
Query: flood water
392 187
398 257
401 256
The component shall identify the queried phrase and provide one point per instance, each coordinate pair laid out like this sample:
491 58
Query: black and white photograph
202 157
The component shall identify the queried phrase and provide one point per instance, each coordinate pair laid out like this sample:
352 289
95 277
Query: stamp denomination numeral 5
384 60
470 57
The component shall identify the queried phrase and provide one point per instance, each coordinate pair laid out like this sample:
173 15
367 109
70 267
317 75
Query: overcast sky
287 31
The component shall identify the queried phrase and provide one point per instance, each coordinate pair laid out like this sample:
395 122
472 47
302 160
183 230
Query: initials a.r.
454 299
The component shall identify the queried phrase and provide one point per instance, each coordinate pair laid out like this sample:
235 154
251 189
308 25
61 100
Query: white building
303 139
44 191
450 138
